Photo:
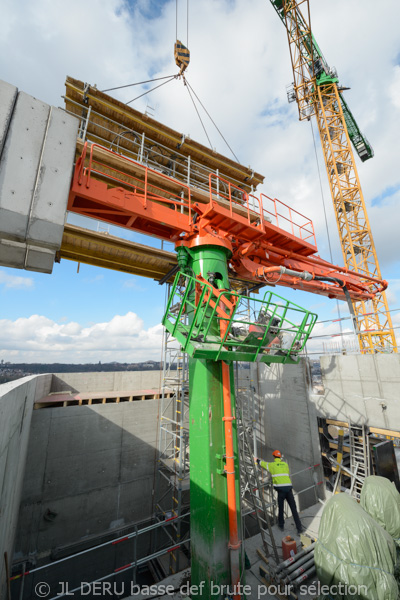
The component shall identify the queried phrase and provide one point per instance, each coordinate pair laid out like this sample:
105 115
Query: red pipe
234 542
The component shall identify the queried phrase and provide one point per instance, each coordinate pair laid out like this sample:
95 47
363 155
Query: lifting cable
138 83
152 89
196 109
168 77
209 116
187 21
182 58
326 218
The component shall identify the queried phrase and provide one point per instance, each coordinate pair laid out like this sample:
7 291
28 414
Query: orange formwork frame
145 200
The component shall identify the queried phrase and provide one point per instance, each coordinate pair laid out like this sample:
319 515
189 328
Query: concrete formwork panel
20 255
8 97
48 209
16 407
37 145
361 389
19 164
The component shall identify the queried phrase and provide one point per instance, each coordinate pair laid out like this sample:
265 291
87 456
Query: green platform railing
269 330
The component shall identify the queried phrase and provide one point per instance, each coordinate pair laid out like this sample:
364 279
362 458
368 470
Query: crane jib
318 68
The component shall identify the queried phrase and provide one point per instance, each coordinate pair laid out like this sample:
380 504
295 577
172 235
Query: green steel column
208 487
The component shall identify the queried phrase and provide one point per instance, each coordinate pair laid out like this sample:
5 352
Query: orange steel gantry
148 201
222 232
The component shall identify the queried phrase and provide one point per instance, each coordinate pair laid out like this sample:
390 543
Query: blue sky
240 67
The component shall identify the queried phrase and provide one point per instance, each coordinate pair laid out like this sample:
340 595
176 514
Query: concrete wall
106 382
89 470
290 422
37 150
361 389
16 406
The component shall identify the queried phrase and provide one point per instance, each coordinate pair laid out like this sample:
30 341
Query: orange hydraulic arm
147 201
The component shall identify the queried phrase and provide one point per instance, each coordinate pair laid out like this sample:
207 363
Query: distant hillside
11 371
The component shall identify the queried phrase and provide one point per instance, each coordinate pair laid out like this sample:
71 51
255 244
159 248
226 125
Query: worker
279 471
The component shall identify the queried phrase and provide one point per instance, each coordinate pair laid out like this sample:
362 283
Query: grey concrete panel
366 370
16 405
19 164
140 420
136 499
370 388
43 386
32 490
329 366
136 461
51 193
76 517
83 382
12 254
13 223
388 367
290 421
18 255
107 381
68 476
390 396
13 404
39 259
349 368
8 95
82 431
88 456
368 395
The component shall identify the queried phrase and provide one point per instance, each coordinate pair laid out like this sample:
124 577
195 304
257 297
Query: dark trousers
285 493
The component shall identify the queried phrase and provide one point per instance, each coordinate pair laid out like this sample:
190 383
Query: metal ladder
173 447
251 488
359 456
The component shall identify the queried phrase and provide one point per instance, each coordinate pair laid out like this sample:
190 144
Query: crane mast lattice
316 91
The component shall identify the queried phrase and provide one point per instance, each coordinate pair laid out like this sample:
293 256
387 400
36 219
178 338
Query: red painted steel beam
259 246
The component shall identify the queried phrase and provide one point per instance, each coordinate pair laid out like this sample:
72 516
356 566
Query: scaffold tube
295 558
303 577
234 542
298 563
303 569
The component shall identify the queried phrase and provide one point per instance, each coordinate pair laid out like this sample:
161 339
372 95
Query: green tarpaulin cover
352 549
381 500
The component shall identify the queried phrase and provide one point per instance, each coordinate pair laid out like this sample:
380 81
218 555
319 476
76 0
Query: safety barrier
147 183
218 328
259 210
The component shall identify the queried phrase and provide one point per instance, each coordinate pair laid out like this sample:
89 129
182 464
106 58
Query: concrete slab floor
310 518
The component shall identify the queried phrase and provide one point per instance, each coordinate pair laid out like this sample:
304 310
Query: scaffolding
255 492
172 485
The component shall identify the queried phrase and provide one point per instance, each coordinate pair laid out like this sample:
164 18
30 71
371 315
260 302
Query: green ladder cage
218 324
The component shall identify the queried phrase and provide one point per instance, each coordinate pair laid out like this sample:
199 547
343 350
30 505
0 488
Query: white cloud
240 67
15 281
133 285
95 279
39 339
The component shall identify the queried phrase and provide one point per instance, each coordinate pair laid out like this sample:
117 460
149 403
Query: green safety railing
224 325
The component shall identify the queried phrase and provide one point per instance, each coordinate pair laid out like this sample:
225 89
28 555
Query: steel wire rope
187 23
313 337
198 114
211 119
346 318
120 87
152 89
326 218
